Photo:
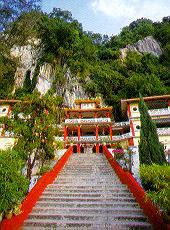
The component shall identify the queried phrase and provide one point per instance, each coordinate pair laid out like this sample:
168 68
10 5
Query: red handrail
29 202
151 211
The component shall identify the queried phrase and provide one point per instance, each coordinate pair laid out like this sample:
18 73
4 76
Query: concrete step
111 190
87 224
86 199
90 210
88 187
88 216
87 194
86 204
87 182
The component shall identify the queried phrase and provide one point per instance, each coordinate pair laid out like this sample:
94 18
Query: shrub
13 186
44 169
156 181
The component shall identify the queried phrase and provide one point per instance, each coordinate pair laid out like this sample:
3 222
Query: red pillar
97 132
95 114
131 142
67 115
97 137
131 123
108 114
78 145
80 115
97 148
9 110
65 135
110 129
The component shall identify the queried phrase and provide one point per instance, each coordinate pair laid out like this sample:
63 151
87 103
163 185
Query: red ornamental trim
150 210
16 222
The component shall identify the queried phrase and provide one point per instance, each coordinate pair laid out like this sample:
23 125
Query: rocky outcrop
147 45
28 57
73 90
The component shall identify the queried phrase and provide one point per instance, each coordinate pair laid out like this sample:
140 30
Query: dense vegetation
156 181
93 58
13 186
33 123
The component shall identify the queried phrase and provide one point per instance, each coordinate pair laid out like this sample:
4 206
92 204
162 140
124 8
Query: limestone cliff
28 57
147 45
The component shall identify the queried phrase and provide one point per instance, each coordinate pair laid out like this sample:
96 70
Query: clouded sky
109 16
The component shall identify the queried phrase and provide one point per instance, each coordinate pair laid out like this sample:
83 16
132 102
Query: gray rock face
28 57
147 45
73 90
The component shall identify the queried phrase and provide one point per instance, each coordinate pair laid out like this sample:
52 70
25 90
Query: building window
135 109
138 127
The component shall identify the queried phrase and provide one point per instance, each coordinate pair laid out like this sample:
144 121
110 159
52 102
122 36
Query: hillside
51 52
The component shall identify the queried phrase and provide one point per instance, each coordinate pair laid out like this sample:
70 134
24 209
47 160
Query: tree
33 123
12 9
150 149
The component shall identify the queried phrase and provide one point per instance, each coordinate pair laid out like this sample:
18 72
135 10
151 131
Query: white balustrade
163 131
72 138
87 120
155 112
121 137
123 123
101 138
87 138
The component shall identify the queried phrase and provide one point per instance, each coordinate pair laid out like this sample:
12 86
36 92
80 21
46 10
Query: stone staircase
87 194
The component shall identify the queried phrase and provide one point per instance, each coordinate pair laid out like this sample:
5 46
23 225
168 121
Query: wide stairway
87 194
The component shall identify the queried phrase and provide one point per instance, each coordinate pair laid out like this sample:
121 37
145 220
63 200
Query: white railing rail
155 112
87 120
123 123
100 138
163 131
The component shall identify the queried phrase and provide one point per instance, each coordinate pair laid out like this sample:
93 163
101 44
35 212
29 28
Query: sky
110 16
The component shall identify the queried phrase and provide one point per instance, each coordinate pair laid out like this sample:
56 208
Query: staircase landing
87 194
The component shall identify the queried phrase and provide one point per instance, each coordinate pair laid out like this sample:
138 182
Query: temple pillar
65 135
97 148
78 148
108 114
95 114
131 142
111 132
97 137
79 134
67 115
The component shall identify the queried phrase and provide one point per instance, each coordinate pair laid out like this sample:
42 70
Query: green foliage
13 186
10 10
136 31
7 71
150 149
44 169
34 125
91 57
156 180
